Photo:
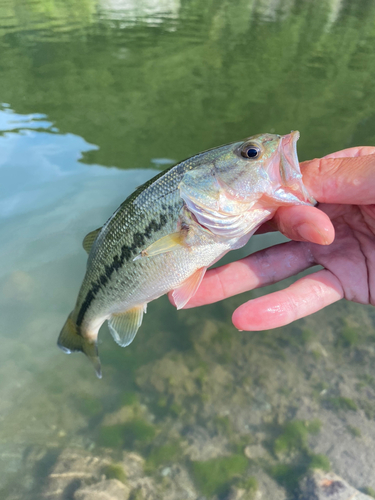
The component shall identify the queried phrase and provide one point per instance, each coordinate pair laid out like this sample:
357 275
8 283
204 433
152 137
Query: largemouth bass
171 229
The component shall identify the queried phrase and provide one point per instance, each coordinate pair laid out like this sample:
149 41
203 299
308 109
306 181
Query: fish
166 234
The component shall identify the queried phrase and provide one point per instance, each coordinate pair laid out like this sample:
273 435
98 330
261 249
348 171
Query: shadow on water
96 97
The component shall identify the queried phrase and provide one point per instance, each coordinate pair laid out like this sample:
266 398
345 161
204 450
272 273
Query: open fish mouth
289 150
290 172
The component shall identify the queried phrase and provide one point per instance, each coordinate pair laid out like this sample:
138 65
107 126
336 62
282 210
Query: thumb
346 180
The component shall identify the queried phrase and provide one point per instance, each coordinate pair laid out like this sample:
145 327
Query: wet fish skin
165 235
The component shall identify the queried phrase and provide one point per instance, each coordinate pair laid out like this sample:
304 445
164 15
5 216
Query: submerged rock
320 485
169 375
72 469
82 476
236 494
177 484
268 489
110 489
202 446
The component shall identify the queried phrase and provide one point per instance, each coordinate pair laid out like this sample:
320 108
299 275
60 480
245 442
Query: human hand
344 185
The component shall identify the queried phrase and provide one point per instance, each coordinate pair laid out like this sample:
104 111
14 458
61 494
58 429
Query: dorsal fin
124 326
89 239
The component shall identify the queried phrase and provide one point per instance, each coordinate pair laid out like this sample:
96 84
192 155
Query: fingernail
312 233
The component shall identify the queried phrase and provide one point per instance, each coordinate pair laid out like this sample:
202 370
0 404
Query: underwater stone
236 494
166 471
320 485
168 376
256 451
177 484
111 489
202 446
133 465
73 468
268 489
122 415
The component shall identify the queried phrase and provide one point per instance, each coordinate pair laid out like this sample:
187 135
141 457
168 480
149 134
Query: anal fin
187 289
124 326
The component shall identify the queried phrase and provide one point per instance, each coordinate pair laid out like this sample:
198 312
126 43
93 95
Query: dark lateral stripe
139 241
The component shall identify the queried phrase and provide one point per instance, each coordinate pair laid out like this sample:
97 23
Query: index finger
345 177
257 270
309 169
351 152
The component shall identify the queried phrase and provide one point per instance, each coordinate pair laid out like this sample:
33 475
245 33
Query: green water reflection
208 74
193 408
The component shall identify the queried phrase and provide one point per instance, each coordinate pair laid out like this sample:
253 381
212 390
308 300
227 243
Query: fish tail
70 340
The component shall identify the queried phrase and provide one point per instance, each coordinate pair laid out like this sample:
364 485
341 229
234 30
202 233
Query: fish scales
144 217
165 235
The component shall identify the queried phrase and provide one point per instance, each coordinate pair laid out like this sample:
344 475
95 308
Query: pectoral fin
124 326
185 292
166 244
89 239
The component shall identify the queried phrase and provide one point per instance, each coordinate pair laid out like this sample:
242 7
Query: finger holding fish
317 176
306 296
305 223
259 269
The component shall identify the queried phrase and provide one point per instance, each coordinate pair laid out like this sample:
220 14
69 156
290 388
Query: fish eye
250 151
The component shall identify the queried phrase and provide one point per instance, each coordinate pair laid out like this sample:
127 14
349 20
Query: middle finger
259 269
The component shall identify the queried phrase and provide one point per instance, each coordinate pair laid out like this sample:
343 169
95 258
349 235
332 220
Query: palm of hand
350 259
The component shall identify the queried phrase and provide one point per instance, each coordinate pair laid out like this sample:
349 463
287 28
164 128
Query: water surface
96 97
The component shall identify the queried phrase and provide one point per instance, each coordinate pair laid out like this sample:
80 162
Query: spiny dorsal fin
89 239
187 289
124 326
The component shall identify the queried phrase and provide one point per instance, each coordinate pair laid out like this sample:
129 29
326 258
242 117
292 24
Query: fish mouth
289 164
289 168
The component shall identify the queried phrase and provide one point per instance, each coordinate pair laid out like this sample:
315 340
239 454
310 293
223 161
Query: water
96 97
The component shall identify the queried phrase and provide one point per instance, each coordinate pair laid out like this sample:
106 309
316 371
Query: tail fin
71 341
